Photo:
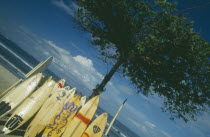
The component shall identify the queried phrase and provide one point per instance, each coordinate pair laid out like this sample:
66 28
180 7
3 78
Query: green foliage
159 50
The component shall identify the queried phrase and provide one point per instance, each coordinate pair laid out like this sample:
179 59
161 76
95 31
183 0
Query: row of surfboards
58 110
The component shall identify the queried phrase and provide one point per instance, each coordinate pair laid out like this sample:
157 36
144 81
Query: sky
45 28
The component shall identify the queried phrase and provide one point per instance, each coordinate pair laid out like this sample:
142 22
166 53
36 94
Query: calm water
20 62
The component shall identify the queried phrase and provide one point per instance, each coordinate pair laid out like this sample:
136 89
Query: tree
155 47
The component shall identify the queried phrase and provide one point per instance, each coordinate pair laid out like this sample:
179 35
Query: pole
114 118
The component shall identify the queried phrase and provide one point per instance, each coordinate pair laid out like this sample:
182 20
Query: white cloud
84 61
46 53
153 99
57 48
81 67
138 124
147 129
125 89
77 48
101 76
165 134
69 8
150 124
132 112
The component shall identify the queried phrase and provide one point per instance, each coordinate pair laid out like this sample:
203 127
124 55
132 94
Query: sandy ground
6 80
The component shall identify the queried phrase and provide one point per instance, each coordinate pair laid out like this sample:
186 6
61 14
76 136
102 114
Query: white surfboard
83 101
58 85
16 96
29 107
39 68
47 111
67 87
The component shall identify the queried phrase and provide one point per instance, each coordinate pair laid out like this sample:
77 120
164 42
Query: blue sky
45 28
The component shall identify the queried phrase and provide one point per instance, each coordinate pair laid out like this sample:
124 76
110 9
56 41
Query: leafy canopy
158 49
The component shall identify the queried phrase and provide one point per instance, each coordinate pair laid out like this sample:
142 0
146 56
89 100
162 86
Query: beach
6 80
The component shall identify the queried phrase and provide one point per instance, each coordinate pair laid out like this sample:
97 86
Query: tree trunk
99 89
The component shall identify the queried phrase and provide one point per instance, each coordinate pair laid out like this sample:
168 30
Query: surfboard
59 123
83 101
16 96
30 72
56 105
59 84
47 111
10 88
29 107
39 68
67 87
96 128
114 118
82 119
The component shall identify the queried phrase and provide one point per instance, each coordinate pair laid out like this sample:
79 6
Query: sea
19 62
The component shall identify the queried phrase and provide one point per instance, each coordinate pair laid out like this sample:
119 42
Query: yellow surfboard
17 95
82 119
59 123
96 128
47 111
56 107
29 107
